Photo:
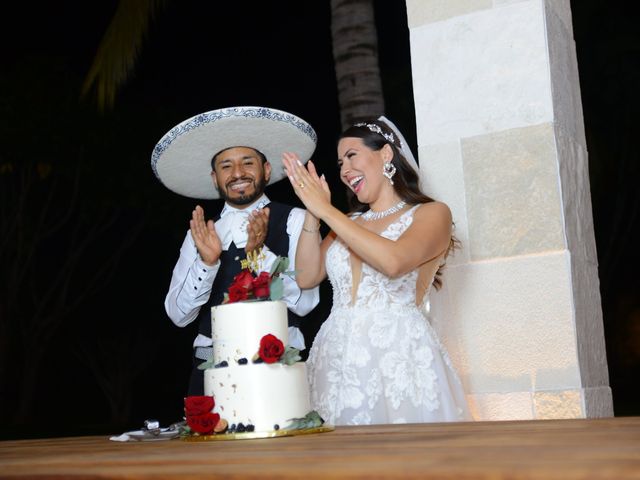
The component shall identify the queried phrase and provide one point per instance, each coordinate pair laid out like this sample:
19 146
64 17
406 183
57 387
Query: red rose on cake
261 285
242 287
198 405
251 285
271 348
237 293
203 424
200 418
244 279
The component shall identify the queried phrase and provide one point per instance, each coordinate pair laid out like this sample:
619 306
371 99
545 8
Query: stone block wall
501 141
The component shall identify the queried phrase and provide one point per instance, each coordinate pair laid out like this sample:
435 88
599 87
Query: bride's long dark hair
406 181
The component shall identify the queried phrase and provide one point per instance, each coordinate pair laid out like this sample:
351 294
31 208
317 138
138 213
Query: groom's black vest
278 242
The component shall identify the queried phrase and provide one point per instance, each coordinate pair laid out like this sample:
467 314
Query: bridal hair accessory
376 129
402 144
389 170
371 215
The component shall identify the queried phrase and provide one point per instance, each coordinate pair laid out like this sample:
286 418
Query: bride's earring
389 170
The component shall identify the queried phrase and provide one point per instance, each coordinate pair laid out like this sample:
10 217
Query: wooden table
551 449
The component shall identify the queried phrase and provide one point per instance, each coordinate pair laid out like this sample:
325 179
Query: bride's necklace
370 215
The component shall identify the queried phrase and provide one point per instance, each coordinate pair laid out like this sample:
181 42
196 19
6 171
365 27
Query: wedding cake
251 384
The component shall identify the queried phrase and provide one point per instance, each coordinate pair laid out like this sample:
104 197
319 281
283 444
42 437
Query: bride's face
361 168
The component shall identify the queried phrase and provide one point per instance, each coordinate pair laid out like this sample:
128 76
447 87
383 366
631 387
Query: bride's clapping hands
310 188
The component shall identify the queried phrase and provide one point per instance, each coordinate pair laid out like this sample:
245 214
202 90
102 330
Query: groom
240 152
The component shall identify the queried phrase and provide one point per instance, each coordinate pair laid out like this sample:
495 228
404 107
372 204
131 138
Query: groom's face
240 175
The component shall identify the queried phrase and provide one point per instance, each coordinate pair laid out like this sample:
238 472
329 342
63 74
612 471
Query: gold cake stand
253 435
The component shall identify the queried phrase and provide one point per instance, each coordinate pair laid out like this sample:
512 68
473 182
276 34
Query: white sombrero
182 158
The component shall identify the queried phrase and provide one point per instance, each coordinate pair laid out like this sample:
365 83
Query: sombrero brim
182 158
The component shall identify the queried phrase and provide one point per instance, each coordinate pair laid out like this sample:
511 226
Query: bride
376 359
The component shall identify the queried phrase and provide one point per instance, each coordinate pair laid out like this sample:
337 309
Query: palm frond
119 49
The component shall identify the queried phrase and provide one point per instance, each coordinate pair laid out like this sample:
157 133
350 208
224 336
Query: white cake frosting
236 328
263 395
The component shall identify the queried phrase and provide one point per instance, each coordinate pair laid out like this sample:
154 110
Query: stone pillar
501 140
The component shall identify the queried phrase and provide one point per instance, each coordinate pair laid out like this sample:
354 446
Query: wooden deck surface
551 449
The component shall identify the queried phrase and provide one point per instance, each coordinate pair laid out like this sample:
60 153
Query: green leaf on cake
310 420
290 356
279 266
205 365
276 289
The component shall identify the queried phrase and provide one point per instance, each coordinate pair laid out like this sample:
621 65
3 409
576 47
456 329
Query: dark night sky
200 56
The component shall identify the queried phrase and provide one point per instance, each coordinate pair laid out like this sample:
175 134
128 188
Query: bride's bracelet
311 231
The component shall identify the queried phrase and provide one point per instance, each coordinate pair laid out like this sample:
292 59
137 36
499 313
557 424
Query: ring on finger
301 184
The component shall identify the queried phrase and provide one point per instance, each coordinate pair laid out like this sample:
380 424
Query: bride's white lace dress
377 359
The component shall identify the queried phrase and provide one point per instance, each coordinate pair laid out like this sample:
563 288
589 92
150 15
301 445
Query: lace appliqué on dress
376 359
